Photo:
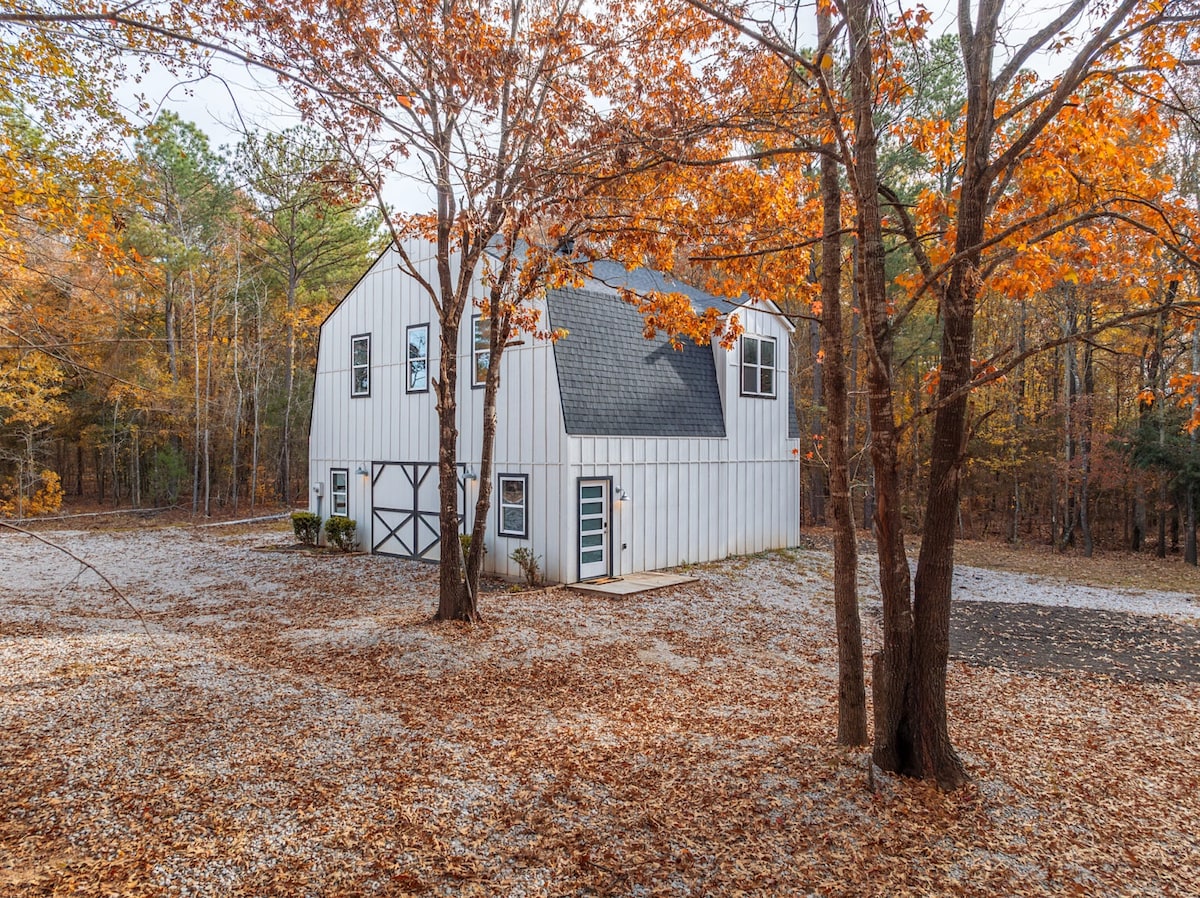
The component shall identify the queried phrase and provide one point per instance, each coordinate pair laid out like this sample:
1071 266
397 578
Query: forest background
159 303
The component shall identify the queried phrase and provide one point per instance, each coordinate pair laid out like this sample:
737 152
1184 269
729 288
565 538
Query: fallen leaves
300 727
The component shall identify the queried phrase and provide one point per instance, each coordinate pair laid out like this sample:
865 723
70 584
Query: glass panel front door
593 529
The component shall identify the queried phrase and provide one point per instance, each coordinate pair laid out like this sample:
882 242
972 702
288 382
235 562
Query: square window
417 358
758 366
360 365
514 505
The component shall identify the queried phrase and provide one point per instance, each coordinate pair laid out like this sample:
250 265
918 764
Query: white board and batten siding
691 499
394 425
694 499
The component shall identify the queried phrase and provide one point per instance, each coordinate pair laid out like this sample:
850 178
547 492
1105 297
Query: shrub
49 497
340 532
306 526
465 539
529 564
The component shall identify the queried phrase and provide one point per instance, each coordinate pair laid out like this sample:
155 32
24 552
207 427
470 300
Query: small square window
758 366
417 359
514 505
339 492
360 365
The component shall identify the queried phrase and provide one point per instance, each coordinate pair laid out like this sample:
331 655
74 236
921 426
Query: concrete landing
631 584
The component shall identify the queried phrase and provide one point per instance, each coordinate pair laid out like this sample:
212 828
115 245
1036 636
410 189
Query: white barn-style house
614 454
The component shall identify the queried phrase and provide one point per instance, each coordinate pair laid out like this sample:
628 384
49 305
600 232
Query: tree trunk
170 327
852 698
289 387
1085 436
1189 549
499 326
1160 402
890 666
256 399
816 480
454 602
1066 536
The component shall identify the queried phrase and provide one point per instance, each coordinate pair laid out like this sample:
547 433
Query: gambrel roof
615 382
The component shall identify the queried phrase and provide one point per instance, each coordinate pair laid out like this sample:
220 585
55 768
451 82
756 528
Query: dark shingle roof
615 382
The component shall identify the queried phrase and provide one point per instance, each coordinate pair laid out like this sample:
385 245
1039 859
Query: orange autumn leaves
1088 203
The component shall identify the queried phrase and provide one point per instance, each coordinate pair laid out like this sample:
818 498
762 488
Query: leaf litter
299 726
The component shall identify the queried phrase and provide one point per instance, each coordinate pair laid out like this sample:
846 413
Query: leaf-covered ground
296 725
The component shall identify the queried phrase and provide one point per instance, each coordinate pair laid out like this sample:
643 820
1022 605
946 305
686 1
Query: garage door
405 506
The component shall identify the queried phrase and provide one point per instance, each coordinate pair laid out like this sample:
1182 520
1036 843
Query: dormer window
758 367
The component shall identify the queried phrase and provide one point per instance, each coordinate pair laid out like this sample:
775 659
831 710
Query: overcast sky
236 98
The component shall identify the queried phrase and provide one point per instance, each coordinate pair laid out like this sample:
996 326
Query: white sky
236 98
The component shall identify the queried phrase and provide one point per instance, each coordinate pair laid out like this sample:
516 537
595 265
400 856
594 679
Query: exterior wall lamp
622 496
362 471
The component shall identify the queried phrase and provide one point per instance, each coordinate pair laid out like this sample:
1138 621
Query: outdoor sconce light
362 471
622 496
470 474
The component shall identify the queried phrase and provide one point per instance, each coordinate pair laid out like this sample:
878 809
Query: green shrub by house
529 564
306 526
341 532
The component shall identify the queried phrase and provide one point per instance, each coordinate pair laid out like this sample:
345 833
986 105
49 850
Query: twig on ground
87 564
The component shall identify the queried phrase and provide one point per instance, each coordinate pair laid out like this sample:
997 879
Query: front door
594 542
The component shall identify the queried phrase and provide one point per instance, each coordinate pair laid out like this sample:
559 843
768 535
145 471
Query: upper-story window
360 365
758 366
418 358
481 342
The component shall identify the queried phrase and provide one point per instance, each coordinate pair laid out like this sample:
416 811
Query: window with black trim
339 492
758 366
481 349
514 505
360 365
417 359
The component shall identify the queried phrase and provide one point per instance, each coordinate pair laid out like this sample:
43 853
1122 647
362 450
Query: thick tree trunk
891 665
454 602
852 697
928 752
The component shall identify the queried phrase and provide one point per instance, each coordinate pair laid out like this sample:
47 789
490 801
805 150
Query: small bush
306 526
49 497
340 532
465 539
529 564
